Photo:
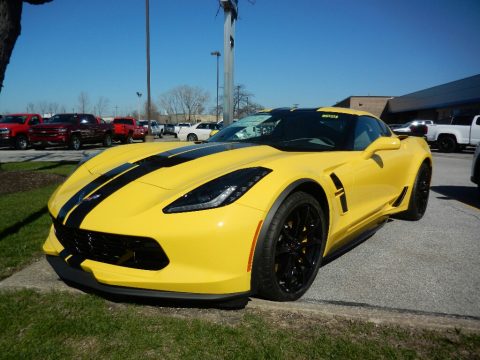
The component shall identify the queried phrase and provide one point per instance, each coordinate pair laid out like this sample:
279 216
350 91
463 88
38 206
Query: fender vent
340 192
400 197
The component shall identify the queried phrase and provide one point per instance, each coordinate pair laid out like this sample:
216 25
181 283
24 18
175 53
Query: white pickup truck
455 133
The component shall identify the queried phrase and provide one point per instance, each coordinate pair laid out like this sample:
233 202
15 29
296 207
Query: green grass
24 219
60 325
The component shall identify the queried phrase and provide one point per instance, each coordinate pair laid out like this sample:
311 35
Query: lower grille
128 251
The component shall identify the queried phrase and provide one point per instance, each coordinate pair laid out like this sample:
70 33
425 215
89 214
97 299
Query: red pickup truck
71 130
127 129
14 129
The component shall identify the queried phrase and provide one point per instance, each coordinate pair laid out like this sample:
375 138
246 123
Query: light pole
149 137
139 94
217 54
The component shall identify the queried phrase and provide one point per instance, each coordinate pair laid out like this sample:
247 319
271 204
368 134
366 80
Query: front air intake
128 251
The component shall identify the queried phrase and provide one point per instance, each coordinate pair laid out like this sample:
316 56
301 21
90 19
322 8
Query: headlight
4 131
219 192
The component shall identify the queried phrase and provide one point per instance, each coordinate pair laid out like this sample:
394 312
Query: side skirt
352 243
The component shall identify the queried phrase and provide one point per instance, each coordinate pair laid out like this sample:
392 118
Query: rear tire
291 252
419 197
75 143
107 140
192 137
128 139
447 144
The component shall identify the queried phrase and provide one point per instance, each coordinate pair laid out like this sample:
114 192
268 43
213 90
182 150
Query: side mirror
382 143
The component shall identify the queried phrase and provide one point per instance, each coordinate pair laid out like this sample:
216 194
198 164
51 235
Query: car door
475 131
378 180
203 131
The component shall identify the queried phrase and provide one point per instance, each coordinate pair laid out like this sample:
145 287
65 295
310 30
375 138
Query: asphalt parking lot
430 266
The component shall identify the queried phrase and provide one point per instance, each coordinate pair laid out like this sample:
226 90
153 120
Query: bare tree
10 29
30 108
42 107
53 108
243 103
62 109
83 102
154 112
185 100
101 105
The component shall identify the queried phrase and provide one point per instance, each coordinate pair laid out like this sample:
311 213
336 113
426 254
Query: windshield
290 130
63 118
13 119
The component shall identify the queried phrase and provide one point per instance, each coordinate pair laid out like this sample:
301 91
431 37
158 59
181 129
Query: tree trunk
10 15
10 28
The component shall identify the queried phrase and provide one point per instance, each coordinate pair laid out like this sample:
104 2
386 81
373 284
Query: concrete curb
40 276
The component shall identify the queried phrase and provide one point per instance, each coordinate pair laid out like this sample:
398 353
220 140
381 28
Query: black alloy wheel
417 205
292 249
129 139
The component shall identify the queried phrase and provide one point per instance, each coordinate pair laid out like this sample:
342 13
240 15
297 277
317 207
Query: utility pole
149 137
230 9
217 54
139 94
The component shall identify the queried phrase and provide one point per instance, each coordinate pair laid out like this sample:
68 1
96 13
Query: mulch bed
18 181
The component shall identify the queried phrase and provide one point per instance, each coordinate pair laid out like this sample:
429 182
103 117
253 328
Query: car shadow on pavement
469 195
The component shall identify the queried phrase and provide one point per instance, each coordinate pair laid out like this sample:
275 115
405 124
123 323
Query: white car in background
407 127
199 131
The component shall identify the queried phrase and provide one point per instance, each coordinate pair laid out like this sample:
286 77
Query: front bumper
85 280
209 257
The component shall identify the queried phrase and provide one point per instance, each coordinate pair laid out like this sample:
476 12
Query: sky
306 52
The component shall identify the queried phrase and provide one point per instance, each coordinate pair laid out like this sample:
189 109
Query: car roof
331 109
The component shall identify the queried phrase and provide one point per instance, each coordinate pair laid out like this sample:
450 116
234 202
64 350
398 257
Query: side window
202 126
34 120
462 120
477 122
87 119
384 128
367 130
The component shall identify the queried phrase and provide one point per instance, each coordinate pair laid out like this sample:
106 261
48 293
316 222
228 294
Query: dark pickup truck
71 130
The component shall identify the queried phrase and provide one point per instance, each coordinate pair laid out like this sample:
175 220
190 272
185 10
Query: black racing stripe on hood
78 197
104 178
145 167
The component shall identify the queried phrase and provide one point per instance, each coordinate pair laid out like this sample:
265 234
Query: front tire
420 193
292 250
21 142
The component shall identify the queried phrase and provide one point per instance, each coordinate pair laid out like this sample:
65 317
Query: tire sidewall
447 144
21 142
267 282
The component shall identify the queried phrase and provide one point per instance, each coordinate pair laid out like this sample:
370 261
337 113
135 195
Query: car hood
10 125
52 126
179 165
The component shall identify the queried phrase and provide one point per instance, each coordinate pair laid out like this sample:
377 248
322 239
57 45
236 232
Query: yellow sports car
254 211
